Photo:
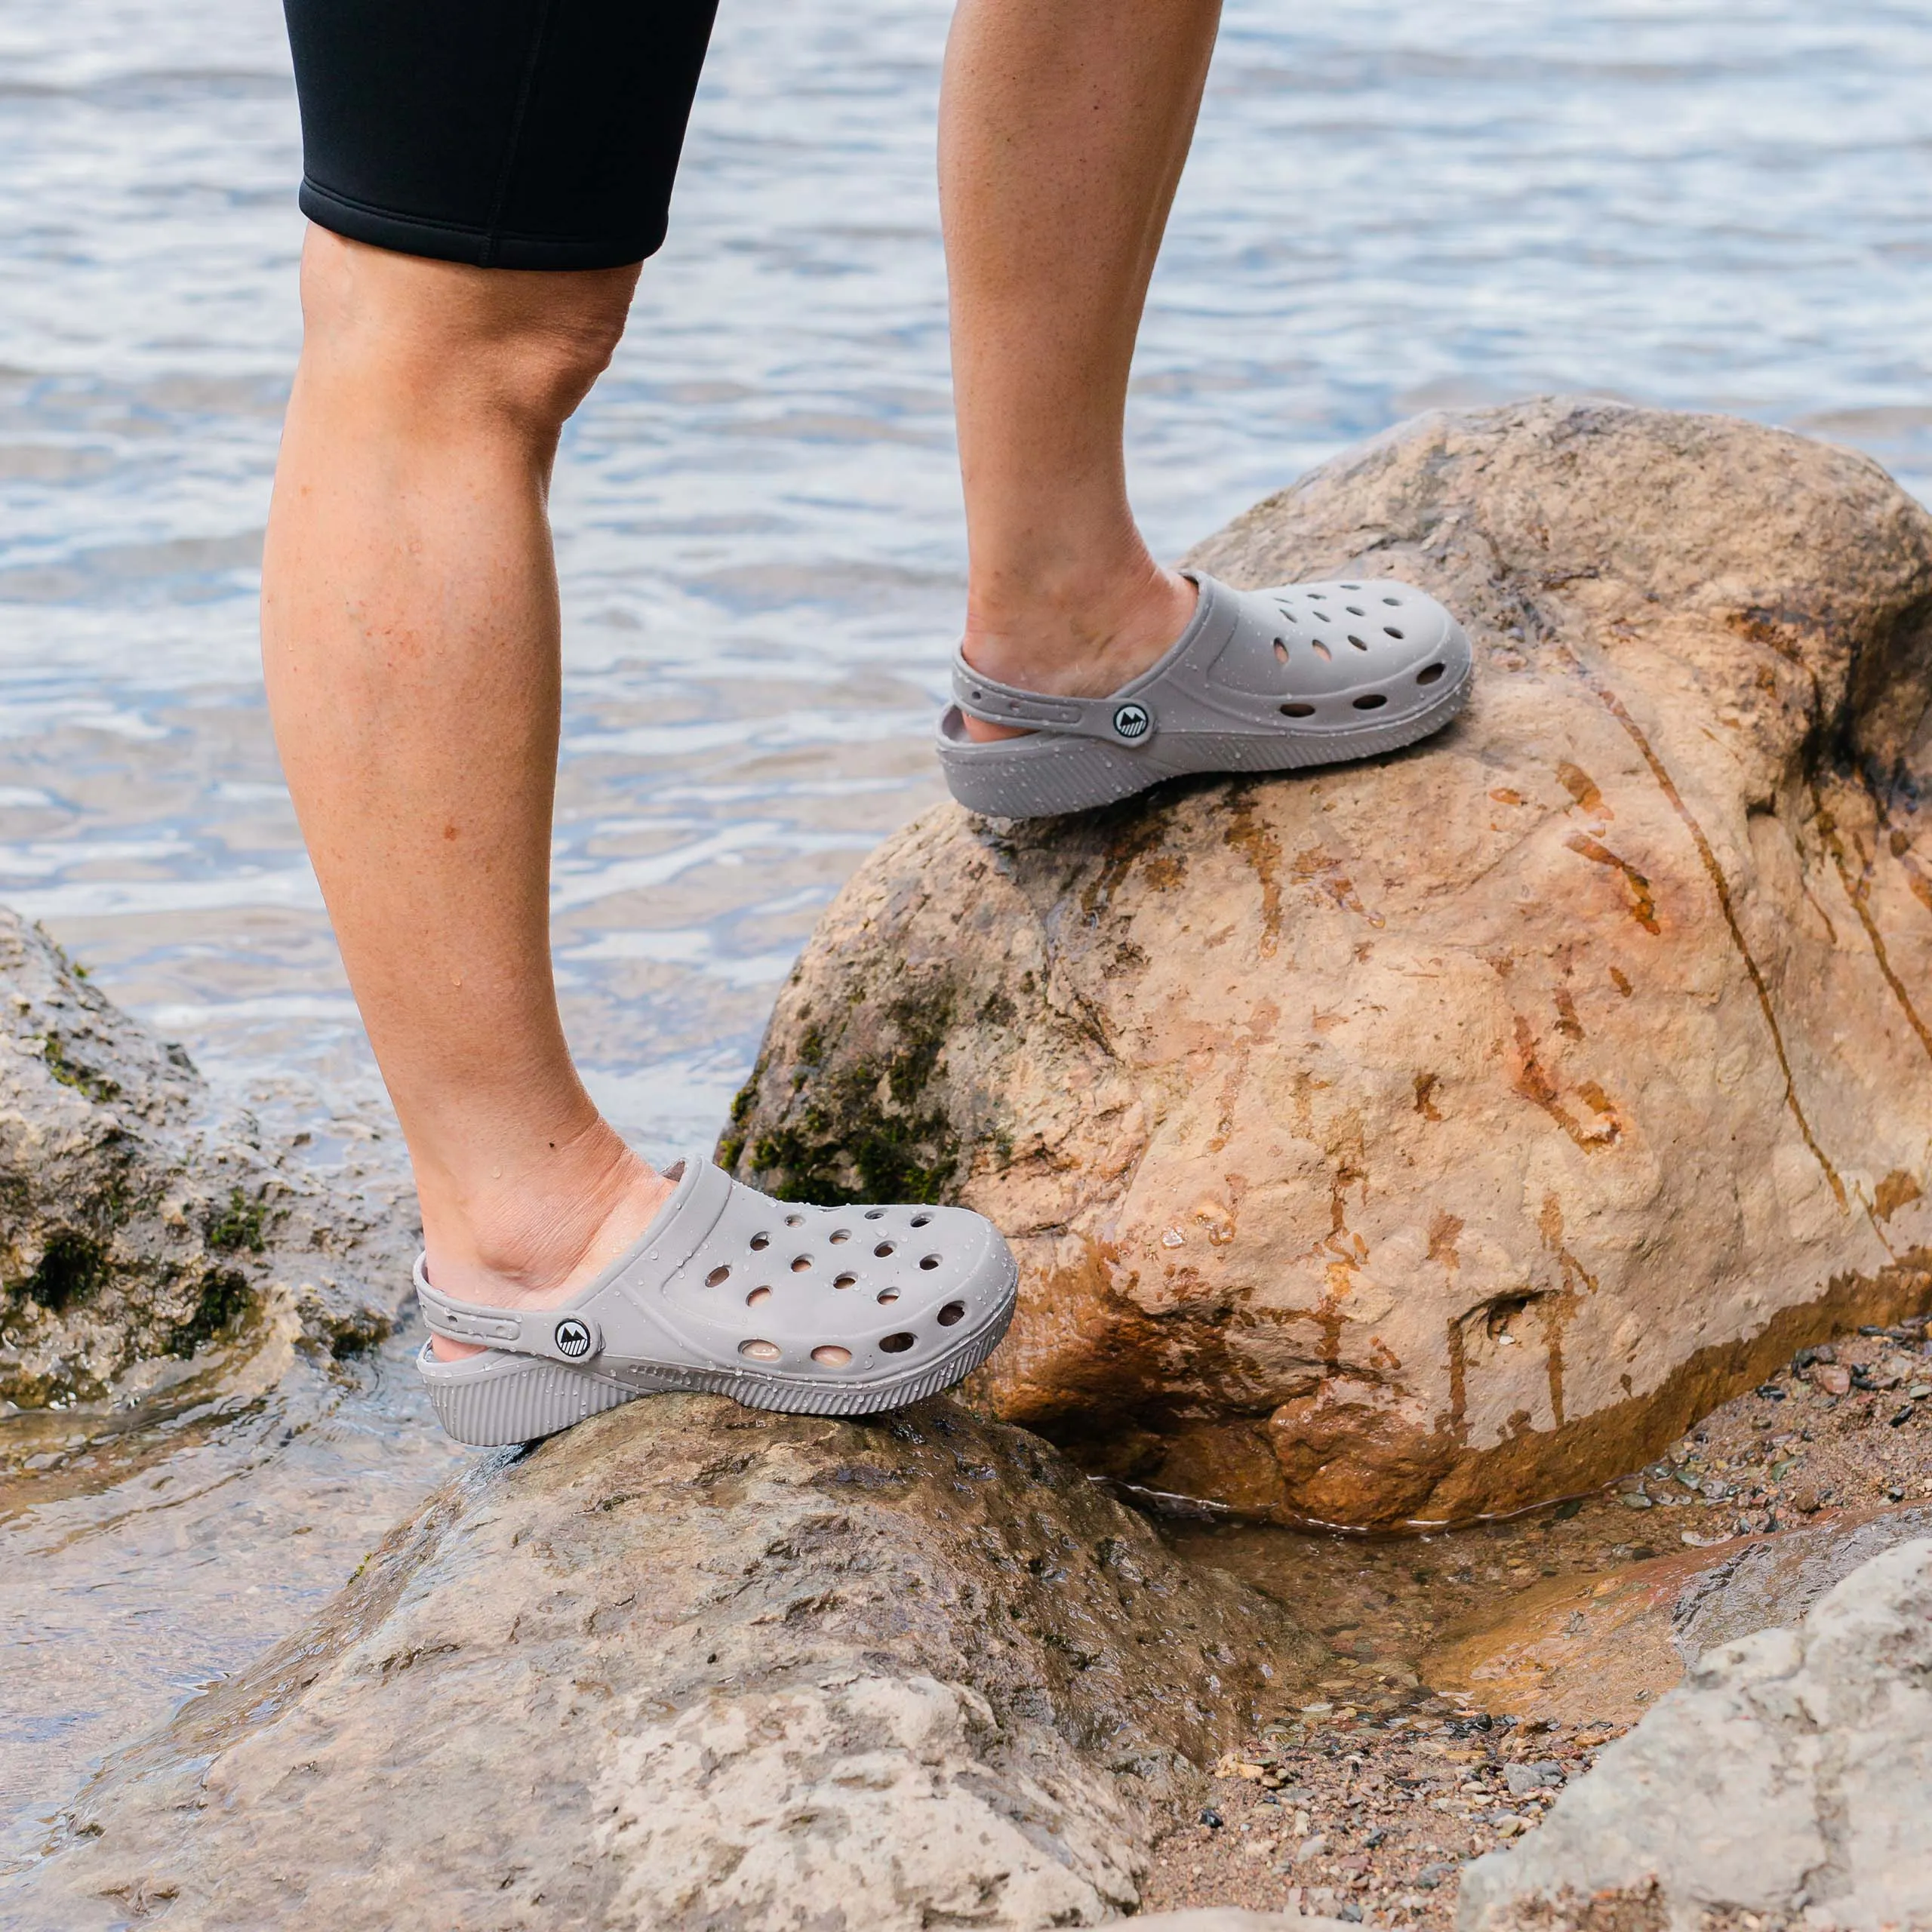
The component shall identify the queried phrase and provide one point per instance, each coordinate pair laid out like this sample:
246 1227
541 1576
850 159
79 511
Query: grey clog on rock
821 1311
1260 681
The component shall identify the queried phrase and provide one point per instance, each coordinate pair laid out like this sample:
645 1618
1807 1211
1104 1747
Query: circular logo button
1131 721
573 1338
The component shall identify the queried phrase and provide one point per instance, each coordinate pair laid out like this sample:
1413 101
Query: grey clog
822 1311
1260 681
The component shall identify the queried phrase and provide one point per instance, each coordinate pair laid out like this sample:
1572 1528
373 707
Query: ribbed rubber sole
1043 776
487 1402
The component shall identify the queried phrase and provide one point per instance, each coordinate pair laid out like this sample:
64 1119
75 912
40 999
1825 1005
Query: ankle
1082 637
540 1234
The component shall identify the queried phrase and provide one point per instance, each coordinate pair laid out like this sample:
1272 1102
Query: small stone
1350 1911
1547 1774
1804 1500
1212 1819
1311 1847
1635 1499
1831 1378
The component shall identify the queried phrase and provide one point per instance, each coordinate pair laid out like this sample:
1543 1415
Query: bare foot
1079 649
564 1227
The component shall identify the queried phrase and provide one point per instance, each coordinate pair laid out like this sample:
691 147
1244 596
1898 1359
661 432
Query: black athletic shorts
510 133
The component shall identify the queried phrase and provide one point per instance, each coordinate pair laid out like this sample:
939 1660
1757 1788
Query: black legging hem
481 247
507 134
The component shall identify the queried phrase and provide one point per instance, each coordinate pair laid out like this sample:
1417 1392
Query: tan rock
1405 1141
689 1667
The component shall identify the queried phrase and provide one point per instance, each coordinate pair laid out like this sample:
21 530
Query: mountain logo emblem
573 1338
1131 721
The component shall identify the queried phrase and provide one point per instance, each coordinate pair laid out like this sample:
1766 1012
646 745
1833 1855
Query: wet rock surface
1407 1141
138 1225
1785 1780
1774 1499
688 1665
1473 1675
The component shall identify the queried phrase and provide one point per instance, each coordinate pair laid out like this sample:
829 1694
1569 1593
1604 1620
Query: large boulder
138 1221
688 1668
1787 1778
1409 1140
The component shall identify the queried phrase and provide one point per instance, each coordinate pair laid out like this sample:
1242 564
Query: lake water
1391 206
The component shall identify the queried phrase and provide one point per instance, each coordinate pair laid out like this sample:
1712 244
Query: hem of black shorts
448 242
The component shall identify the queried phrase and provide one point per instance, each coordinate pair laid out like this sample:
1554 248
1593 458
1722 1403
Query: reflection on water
1392 206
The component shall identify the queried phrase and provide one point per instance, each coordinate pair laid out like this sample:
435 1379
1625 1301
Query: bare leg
410 614
410 632
1064 127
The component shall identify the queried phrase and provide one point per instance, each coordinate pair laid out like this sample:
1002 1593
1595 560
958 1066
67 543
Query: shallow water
1392 205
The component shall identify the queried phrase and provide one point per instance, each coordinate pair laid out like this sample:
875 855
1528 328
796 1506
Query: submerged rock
1787 1778
1601 1647
691 1666
1408 1140
135 1226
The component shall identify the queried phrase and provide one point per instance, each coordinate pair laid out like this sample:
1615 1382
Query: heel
487 1401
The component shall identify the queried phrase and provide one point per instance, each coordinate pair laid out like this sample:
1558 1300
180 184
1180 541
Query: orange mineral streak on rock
1397 1143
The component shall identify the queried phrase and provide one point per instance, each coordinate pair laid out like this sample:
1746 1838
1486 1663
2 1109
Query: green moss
731 1142
999 1010
239 1225
922 1029
225 1299
69 1270
96 1086
846 1142
893 1159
